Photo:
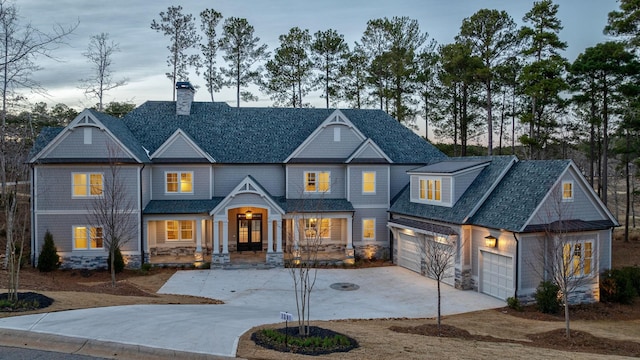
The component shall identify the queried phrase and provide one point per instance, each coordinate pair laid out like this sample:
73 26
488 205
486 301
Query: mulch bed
260 339
30 300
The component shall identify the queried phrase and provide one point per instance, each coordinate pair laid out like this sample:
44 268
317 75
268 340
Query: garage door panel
497 275
409 252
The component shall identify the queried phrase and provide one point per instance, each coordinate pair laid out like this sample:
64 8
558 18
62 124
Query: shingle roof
181 206
316 205
518 195
421 225
574 225
467 202
267 135
122 132
46 135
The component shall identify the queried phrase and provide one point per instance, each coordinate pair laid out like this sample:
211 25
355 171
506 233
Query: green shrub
620 285
547 297
48 260
514 303
118 263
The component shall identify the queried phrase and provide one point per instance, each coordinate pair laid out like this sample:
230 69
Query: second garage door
497 275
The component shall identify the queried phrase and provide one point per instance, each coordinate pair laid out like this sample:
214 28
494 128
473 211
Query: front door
250 232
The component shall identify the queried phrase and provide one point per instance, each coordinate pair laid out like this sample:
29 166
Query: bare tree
181 30
439 253
99 54
113 211
20 46
565 259
307 234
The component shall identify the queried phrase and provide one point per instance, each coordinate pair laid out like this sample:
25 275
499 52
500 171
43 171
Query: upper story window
317 181
369 229
430 189
179 182
567 190
87 184
578 258
368 182
179 230
87 238
317 227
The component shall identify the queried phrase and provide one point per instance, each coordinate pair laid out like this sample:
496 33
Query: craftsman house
208 182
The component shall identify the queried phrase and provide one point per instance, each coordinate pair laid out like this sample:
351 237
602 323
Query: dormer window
430 189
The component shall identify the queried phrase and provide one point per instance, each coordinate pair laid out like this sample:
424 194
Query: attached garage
409 252
496 275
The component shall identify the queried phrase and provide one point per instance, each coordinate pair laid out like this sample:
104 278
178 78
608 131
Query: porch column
269 235
216 237
350 252
198 254
225 236
279 235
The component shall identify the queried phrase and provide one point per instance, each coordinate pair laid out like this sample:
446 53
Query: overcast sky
143 51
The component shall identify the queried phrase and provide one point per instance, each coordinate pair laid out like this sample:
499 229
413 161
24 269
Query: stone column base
275 258
350 256
220 259
198 256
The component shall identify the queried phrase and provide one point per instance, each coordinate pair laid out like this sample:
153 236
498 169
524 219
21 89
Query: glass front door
250 232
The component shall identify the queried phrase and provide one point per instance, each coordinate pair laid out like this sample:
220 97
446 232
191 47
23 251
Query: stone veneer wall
374 251
97 262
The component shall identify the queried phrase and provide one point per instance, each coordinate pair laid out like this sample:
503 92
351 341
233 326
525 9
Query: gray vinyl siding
531 264
201 182
295 188
369 153
61 227
146 186
382 233
356 195
582 207
180 148
227 177
462 182
324 146
604 250
54 186
73 146
399 178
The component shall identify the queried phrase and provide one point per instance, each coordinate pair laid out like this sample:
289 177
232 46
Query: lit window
87 184
430 189
369 182
578 258
317 181
369 229
179 230
567 191
311 227
87 238
179 182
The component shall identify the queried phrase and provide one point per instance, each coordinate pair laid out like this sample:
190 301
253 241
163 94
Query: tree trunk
628 185
489 120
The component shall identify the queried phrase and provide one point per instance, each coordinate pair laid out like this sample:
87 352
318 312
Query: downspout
33 217
142 232
517 265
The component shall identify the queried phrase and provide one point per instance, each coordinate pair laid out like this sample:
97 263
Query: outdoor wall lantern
490 241
248 215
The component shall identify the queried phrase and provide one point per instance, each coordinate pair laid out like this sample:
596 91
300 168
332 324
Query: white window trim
582 243
179 187
88 234
426 180
317 190
568 199
318 220
88 185
375 180
374 229
179 230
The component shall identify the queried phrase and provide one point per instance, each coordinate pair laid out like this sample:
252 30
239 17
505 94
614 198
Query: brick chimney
184 97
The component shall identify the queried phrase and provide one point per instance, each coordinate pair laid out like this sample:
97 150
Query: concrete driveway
253 297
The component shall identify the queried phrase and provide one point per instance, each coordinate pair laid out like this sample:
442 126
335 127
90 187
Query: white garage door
408 252
497 275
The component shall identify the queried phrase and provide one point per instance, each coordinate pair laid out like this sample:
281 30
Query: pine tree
48 260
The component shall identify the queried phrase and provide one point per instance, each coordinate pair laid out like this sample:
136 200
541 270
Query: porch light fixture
248 215
490 241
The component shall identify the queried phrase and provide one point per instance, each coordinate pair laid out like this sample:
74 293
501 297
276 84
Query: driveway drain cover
344 286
